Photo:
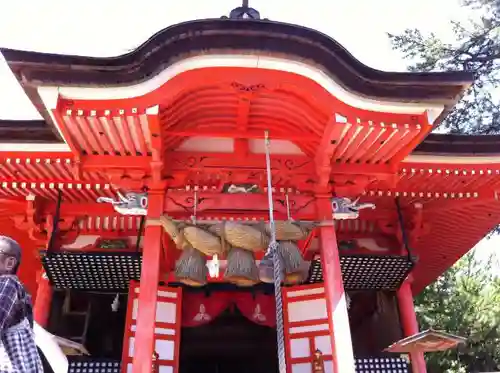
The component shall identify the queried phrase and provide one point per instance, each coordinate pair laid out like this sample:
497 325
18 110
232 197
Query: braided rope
272 249
279 307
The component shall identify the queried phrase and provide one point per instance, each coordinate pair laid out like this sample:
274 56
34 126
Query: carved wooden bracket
31 221
414 225
135 179
215 170
39 225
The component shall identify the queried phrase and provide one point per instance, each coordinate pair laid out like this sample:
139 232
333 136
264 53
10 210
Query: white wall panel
307 310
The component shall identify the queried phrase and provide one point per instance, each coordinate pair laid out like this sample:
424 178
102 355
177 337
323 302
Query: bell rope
272 250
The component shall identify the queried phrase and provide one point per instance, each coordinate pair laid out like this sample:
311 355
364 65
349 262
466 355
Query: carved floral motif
247 88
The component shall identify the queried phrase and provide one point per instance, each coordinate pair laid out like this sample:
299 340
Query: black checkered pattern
18 352
12 299
382 365
92 271
93 365
368 272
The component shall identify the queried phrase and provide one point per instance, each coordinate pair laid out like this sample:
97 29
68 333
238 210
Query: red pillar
43 300
148 288
410 324
340 332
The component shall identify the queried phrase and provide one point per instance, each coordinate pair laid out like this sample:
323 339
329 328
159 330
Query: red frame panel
311 293
175 327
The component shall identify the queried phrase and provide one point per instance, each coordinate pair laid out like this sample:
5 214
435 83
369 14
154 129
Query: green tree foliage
464 301
476 49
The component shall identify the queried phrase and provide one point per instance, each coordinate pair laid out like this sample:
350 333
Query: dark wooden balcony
370 272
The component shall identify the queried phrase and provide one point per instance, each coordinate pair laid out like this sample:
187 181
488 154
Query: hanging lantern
241 269
191 268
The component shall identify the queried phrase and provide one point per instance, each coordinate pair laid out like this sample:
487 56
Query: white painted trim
49 97
153 110
251 61
451 160
441 159
21 147
307 291
81 240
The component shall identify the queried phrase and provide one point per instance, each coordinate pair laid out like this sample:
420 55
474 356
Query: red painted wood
342 354
297 110
43 300
257 135
309 335
150 276
409 322
30 262
241 103
66 134
130 323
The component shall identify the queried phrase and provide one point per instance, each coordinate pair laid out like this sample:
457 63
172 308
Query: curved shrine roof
247 36
418 178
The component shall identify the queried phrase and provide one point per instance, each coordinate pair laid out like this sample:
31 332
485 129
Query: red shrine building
143 207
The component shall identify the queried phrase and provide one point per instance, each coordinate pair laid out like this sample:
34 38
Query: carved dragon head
129 204
343 208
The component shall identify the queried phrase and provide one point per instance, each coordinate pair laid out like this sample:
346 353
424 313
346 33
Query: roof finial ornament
244 12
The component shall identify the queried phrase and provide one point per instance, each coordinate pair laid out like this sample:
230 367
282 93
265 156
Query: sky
114 27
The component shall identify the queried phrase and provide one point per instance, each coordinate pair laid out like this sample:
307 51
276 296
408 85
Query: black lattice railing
368 272
92 271
93 365
388 364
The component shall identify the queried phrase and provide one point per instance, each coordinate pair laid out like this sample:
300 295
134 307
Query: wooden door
306 327
167 328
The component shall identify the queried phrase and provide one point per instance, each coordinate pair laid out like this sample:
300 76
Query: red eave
203 102
114 142
44 174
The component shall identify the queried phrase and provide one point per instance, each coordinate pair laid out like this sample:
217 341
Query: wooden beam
338 319
148 293
323 158
91 163
275 135
241 146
